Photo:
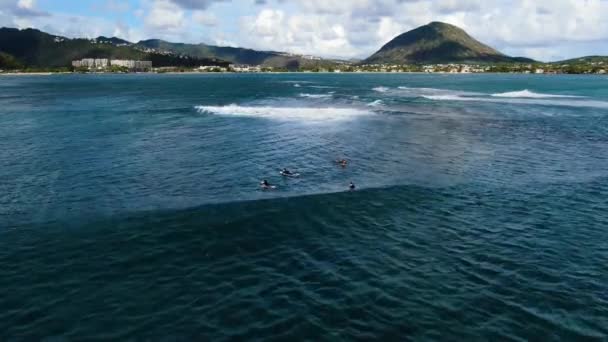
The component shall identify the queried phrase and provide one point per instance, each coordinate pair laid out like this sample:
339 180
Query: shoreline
50 73
30 73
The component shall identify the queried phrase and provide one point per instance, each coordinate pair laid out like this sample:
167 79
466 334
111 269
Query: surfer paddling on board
265 185
286 173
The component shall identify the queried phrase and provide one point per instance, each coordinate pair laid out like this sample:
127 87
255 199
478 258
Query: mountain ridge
585 59
38 49
438 42
434 43
35 48
238 55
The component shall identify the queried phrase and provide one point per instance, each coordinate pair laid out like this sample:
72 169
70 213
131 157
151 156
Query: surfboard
271 187
292 175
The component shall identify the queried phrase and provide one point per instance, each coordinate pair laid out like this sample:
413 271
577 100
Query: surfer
351 186
342 162
265 184
286 172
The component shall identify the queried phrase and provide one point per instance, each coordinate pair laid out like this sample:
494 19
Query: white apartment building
131 64
104 63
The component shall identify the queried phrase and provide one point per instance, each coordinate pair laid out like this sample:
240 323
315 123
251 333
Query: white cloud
522 26
21 8
25 4
451 6
164 15
388 29
544 29
334 6
222 42
305 34
205 18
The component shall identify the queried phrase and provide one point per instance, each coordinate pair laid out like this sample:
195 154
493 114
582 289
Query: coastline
45 73
288 72
30 73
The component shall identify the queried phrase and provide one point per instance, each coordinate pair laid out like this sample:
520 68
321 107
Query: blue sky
542 29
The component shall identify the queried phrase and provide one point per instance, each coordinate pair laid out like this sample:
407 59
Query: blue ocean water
130 207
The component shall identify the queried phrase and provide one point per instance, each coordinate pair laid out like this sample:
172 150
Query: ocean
130 207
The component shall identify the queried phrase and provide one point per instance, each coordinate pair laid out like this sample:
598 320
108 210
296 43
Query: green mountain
234 55
586 60
112 40
35 49
237 55
9 62
438 43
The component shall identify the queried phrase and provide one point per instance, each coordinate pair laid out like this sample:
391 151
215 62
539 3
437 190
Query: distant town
106 65
119 65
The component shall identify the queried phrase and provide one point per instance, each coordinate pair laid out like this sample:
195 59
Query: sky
545 30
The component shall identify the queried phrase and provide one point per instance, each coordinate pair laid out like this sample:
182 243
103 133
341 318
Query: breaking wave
580 103
531 95
447 98
286 113
322 87
381 89
525 97
432 92
421 89
315 96
436 93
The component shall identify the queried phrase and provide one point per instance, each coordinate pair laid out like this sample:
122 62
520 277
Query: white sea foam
420 89
286 113
447 94
432 92
381 89
531 95
315 96
524 97
447 97
321 87
375 103
578 103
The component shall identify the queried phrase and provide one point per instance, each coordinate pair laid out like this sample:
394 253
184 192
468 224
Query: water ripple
140 218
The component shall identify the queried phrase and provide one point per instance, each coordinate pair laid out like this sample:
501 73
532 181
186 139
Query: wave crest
531 95
286 113
315 96
381 89
445 97
581 103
